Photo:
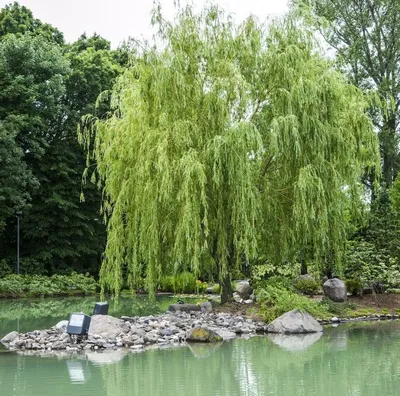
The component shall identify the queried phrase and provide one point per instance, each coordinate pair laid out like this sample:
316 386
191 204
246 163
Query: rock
184 307
202 335
225 334
107 326
294 322
249 301
10 337
244 289
206 307
237 297
335 290
62 324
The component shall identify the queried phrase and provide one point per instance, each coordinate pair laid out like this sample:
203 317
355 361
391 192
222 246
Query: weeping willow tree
317 139
223 138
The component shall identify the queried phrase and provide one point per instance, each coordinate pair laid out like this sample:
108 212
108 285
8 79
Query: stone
249 301
225 334
244 289
206 307
10 337
62 324
200 334
237 298
184 307
294 322
107 326
335 290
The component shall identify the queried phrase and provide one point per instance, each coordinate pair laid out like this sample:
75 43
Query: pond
349 360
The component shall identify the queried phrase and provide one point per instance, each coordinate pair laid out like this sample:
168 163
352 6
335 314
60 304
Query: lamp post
18 215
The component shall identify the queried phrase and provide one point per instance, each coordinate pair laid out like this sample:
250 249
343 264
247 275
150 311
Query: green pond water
360 359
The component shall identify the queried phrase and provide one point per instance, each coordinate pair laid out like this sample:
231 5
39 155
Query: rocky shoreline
148 332
136 333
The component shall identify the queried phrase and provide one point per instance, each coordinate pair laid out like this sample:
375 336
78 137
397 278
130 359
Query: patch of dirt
377 301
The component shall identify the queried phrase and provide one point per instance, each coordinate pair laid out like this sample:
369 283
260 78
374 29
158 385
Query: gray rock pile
136 333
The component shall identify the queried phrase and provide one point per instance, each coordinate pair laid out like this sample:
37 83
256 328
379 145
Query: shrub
306 286
184 282
201 287
275 301
216 289
354 286
44 286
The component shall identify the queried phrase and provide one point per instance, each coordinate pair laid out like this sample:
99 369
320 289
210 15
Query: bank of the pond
140 333
137 333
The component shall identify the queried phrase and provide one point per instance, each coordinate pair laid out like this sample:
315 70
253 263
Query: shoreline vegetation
271 301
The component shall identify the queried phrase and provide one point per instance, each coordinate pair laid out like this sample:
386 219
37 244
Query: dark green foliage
42 286
307 286
19 20
354 286
16 179
45 88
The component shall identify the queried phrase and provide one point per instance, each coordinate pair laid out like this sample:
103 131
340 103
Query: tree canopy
223 141
365 35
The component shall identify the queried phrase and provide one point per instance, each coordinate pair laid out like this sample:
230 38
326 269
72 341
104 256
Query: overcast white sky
116 20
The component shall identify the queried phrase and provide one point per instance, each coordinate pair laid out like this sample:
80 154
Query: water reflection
76 371
203 351
295 342
346 361
106 357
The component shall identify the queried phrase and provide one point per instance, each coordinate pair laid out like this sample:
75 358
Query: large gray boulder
335 290
244 289
107 326
294 322
10 337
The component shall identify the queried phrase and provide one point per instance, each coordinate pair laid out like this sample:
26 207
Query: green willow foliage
224 139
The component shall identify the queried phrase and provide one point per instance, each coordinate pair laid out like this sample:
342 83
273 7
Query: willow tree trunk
226 289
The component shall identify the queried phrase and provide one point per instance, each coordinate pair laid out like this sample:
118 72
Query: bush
275 301
182 283
216 289
354 286
43 286
306 286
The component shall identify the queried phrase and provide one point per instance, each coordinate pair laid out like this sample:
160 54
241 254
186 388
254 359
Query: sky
117 20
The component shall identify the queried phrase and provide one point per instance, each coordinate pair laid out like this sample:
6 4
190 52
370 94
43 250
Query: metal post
17 244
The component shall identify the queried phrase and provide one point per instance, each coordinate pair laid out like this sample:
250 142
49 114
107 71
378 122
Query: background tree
224 136
365 35
46 87
19 20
